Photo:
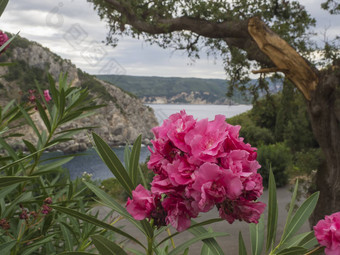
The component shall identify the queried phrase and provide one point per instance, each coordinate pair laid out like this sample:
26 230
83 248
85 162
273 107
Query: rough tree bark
322 92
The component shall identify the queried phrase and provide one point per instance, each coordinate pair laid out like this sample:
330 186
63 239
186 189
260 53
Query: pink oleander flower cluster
327 232
199 165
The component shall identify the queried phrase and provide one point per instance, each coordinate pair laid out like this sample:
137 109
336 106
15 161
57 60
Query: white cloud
72 29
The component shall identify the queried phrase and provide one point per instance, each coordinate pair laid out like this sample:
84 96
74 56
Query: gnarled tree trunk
322 92
324 111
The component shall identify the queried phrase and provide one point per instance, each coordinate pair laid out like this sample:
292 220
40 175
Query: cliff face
122 119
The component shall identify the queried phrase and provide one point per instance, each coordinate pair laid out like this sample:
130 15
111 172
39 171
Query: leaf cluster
28 178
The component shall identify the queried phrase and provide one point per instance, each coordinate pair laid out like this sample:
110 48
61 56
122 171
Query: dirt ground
229 244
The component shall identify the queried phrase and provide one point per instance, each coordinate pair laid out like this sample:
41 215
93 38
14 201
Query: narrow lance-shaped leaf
10 180
301 215
127 155
210 242
200 224
113 163
24 158
241 247
96 222
134 160
257 236
272 212
43 116
291 208
67 237
293 251
197 238
107 247
3 4
30 122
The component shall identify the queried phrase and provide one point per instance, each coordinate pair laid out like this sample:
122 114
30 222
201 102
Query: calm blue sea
91 162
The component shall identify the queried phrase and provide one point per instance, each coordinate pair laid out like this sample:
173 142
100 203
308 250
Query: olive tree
265 36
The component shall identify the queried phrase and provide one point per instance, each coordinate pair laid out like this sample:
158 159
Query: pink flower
327 232
47 95
46 209
199 164
179 212
213 185
142 203
243 210
3 40
207 138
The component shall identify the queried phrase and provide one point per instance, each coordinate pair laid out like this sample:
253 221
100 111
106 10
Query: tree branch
285 57
211 29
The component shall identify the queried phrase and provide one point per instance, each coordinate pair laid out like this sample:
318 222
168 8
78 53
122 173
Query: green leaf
10 40
205 250
113 204
37 244
108 201
30 122
134 160
24 158
291 208
5 248
96 222
76 253
76 129
106 247
113 163
62 102
210 242
10 180
200 224
272 212
43 116
52 166
301 215
10 151
3 4
308 241
67 237
29 146
127 155
257 236
293 251
197 238
241 247
295 241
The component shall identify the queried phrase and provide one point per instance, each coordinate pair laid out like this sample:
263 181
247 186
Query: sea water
91 163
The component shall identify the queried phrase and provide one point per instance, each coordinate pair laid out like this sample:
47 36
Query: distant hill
176 90
122 120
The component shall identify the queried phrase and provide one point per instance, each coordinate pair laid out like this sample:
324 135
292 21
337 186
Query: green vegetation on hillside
170 86
279 127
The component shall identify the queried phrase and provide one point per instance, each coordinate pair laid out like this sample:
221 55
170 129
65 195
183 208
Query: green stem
312 251
150 244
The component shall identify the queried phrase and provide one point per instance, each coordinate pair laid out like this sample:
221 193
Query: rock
121 121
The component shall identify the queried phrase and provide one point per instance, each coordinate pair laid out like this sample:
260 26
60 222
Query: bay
92 163
163 111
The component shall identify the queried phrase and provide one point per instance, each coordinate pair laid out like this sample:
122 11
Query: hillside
123 119
175 90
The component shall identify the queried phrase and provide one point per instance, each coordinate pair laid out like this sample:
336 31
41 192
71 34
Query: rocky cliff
122 119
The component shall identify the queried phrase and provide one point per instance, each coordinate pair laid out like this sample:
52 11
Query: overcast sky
73 30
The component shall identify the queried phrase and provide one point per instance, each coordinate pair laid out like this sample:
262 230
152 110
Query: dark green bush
252 134
112 187
277 157
307 161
